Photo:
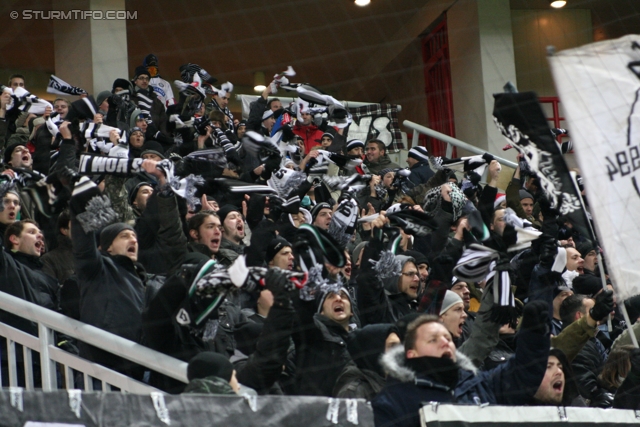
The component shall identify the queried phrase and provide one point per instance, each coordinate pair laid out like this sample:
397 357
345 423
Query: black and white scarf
60 87
224 111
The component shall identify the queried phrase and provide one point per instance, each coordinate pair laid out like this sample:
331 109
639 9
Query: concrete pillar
90 53
482 61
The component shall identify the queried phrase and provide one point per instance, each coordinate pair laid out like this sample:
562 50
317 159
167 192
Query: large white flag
599 87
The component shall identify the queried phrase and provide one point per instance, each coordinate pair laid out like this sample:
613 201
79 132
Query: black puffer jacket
111 296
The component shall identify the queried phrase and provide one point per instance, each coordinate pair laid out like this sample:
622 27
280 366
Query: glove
548 251
441 269
271 164
536 316
277 282
603 306
602 400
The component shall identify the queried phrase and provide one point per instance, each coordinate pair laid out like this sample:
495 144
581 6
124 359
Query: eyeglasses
411 274
144 79
8 202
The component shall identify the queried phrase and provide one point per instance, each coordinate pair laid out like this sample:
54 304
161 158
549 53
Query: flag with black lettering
522 121
599 86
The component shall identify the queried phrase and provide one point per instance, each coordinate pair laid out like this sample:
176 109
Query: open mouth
338 309
26 158
347 271
558 386
12 216
460 328
131 250
447 354
215 242
39 246
580 270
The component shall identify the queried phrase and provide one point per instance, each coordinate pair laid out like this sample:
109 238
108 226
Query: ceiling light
258 81
558 3
362 2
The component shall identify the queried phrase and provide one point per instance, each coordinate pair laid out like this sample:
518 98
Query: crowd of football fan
278 255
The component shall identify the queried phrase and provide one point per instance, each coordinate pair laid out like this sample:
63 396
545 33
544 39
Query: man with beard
205 233
231 245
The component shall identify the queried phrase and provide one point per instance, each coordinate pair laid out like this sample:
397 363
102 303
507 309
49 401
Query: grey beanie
450 299
110 232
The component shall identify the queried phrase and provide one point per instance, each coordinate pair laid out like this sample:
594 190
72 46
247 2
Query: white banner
441 415
599 88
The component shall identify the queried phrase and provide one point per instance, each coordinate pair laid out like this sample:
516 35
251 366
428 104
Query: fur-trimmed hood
394 363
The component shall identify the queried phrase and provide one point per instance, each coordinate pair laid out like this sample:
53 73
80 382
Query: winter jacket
379 300
162 244
112 295
264 366
420 173
321 351
384 163
310 134
59 262
209 385
164 333
587 365
356 383
412 383
21 275
228 252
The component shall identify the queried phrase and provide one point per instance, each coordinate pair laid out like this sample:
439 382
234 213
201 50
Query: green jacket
209 385
384 163
573 338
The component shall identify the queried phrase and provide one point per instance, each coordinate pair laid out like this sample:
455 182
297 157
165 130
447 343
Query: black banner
72 407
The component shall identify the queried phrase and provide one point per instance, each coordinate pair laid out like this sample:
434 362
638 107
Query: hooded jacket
379 300
512 383
412 383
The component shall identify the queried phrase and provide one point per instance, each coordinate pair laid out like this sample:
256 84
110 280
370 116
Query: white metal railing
451 142
54 361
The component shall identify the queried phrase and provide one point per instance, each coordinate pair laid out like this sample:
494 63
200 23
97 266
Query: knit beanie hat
208 364
317 208
153 147
524 194
121 83
276 246
354 143
8 152
450 299
226 210
323 296
141 70
110 232
102 96
419 153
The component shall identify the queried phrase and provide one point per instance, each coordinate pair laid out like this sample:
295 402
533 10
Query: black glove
270 165
602 400
441 269
603 306
536 316
548 251
277 282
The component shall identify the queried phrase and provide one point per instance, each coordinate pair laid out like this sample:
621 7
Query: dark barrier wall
30 409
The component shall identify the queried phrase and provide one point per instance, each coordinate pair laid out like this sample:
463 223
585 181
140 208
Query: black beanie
275 246
208 364
153 147
110 232
226 210
317 208
121 83
8 152
140 70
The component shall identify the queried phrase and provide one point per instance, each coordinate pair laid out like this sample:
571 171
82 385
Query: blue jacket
420 173
512 383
